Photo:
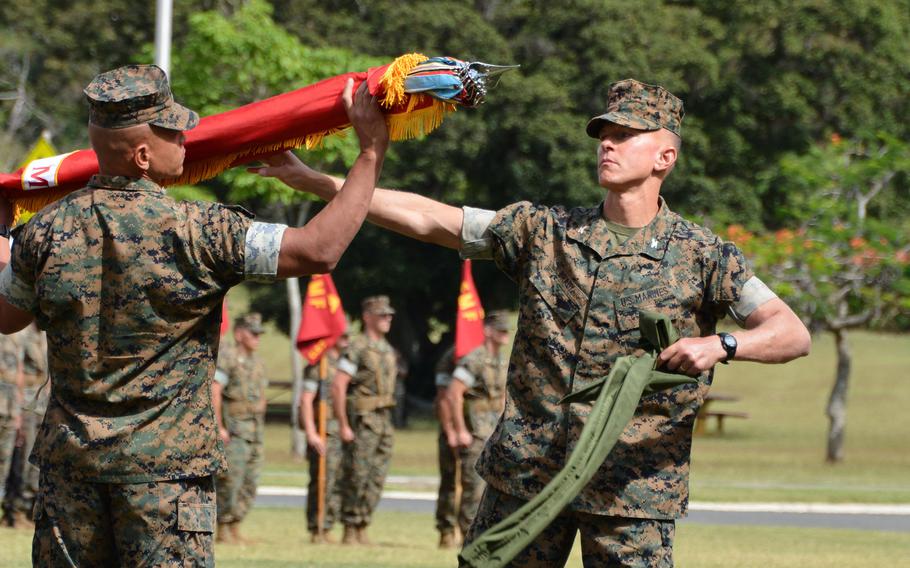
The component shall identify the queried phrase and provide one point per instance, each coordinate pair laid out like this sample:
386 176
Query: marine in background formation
363 394
239 401
476 396
32 349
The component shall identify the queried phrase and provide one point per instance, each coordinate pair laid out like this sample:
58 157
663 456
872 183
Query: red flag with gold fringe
469 319
322 322
414 91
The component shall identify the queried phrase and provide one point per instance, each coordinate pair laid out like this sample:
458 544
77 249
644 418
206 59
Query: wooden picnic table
708 410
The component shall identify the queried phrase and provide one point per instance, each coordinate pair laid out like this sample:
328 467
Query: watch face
729 341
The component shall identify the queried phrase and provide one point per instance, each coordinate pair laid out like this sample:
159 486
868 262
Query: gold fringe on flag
25 207
412 123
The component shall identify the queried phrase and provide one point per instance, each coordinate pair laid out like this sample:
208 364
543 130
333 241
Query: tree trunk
837 403
298 439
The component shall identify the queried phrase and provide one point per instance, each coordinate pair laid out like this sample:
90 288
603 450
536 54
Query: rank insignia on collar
654 243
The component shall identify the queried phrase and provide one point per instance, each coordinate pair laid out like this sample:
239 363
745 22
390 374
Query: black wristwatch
728 342
4 231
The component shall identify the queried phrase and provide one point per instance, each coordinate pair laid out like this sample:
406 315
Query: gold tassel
416 123
392 81
26 206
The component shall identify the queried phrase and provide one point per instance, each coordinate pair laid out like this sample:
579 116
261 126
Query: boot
22 521
447 540
239 538
362 537
224 534
350 535
324 538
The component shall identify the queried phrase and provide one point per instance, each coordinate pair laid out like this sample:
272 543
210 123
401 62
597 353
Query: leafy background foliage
767 84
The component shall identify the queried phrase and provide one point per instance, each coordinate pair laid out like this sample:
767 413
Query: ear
142 156
665 159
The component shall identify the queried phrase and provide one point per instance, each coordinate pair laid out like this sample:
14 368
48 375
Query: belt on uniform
484 404
364 404
242 408
617 397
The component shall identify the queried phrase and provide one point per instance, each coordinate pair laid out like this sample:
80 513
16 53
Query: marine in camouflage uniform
581 283
315 387
582 280
129 285
240 403
10 403
363 398
32 345
477 395
446 506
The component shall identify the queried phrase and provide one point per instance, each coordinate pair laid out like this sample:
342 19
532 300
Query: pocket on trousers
195 517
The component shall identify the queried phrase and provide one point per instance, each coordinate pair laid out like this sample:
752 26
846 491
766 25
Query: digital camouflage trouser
31 421
605 541
333 453
7 429
158 523
472 485
236 487
446 508
366 463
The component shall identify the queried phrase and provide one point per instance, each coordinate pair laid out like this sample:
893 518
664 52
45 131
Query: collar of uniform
124 182
590 229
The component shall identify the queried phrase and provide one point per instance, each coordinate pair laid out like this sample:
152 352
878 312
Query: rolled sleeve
221 377
754 294
16 292
476 241
261 248
443 379
347 366
465 376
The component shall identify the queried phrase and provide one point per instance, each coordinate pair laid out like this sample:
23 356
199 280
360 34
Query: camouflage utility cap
136 94
640 106
251 321
498 320
377 305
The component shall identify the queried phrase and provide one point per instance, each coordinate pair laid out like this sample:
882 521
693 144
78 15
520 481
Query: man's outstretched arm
409 214
317 247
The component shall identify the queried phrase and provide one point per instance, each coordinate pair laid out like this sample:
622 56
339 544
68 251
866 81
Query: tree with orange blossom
844 260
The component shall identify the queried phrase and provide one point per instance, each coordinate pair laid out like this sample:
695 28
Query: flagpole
320 482
164 11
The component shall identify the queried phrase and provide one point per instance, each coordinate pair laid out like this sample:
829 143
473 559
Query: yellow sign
42 149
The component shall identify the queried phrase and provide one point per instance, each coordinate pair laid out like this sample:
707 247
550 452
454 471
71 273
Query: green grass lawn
775 455
409 540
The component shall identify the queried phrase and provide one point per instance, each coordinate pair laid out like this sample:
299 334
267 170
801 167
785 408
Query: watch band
4 231
728 342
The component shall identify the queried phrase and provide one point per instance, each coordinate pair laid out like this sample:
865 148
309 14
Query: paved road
821 515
